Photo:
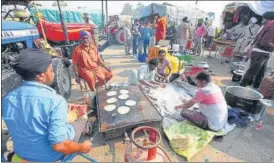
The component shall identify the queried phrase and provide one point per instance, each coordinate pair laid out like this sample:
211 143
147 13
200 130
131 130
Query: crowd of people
141 32
185 34
42 133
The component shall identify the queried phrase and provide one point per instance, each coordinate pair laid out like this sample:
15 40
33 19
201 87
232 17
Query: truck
17 36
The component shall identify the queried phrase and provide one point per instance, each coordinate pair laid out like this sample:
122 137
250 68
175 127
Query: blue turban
84 33
33 61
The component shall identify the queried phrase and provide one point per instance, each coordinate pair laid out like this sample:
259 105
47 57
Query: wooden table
230 43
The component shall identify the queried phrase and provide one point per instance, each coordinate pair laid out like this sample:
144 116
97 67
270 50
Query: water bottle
244 59
259 125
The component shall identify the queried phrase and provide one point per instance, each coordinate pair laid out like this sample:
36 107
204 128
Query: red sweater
265 38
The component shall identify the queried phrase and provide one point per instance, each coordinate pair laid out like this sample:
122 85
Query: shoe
88 129
218 138
135 57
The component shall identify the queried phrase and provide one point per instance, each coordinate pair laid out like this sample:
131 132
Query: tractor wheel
10 81
62 79
120 37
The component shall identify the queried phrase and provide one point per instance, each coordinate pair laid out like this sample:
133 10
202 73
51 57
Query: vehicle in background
19 32
113 29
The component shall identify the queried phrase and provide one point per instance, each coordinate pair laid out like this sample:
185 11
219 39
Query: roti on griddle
110 107
123 96
124 91
111 100
111 93
130 103
123 110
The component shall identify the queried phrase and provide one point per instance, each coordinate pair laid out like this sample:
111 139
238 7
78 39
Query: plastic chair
212 47
228 53
85 83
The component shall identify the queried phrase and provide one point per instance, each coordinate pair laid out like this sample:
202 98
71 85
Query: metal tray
142 112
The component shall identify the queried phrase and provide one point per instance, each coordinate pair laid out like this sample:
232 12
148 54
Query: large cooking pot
244 98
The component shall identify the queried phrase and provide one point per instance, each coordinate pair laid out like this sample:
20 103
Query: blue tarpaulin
52 15
154 8
172 13
96 17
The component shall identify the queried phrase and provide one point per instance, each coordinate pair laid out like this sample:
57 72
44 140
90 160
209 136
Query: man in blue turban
88 65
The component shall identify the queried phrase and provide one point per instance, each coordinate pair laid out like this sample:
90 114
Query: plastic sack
186 129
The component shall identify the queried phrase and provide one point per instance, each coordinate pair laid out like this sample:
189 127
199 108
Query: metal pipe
106 11
103 19
63 23
39 21
107 17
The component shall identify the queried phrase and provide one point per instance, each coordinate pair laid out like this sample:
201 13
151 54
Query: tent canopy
173 13
261 7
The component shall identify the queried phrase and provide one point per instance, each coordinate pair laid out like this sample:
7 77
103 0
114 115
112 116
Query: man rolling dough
212 113
145 75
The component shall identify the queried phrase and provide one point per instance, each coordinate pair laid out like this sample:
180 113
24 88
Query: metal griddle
142 113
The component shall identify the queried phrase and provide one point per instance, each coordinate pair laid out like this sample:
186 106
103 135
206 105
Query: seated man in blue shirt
36 116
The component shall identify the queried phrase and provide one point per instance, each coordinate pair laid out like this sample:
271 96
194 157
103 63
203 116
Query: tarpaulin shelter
172 13
96 17
233 12
52 15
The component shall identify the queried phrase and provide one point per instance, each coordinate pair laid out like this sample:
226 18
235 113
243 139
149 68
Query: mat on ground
187 140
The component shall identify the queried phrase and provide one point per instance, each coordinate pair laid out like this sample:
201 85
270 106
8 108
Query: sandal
88 129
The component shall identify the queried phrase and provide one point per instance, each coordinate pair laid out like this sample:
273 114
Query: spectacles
85 38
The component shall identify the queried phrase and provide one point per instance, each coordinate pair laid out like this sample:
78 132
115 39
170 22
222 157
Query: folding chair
228 53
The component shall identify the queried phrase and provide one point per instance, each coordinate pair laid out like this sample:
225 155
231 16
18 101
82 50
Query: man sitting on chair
87 63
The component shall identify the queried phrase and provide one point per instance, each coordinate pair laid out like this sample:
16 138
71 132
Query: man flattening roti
146 75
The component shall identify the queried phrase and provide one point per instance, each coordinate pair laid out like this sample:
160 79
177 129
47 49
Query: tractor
19 32
17 35
114 29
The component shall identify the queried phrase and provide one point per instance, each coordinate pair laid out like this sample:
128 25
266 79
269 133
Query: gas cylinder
145 149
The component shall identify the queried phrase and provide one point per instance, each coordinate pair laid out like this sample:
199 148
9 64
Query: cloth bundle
238 117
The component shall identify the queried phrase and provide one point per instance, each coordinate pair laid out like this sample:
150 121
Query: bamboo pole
39 21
